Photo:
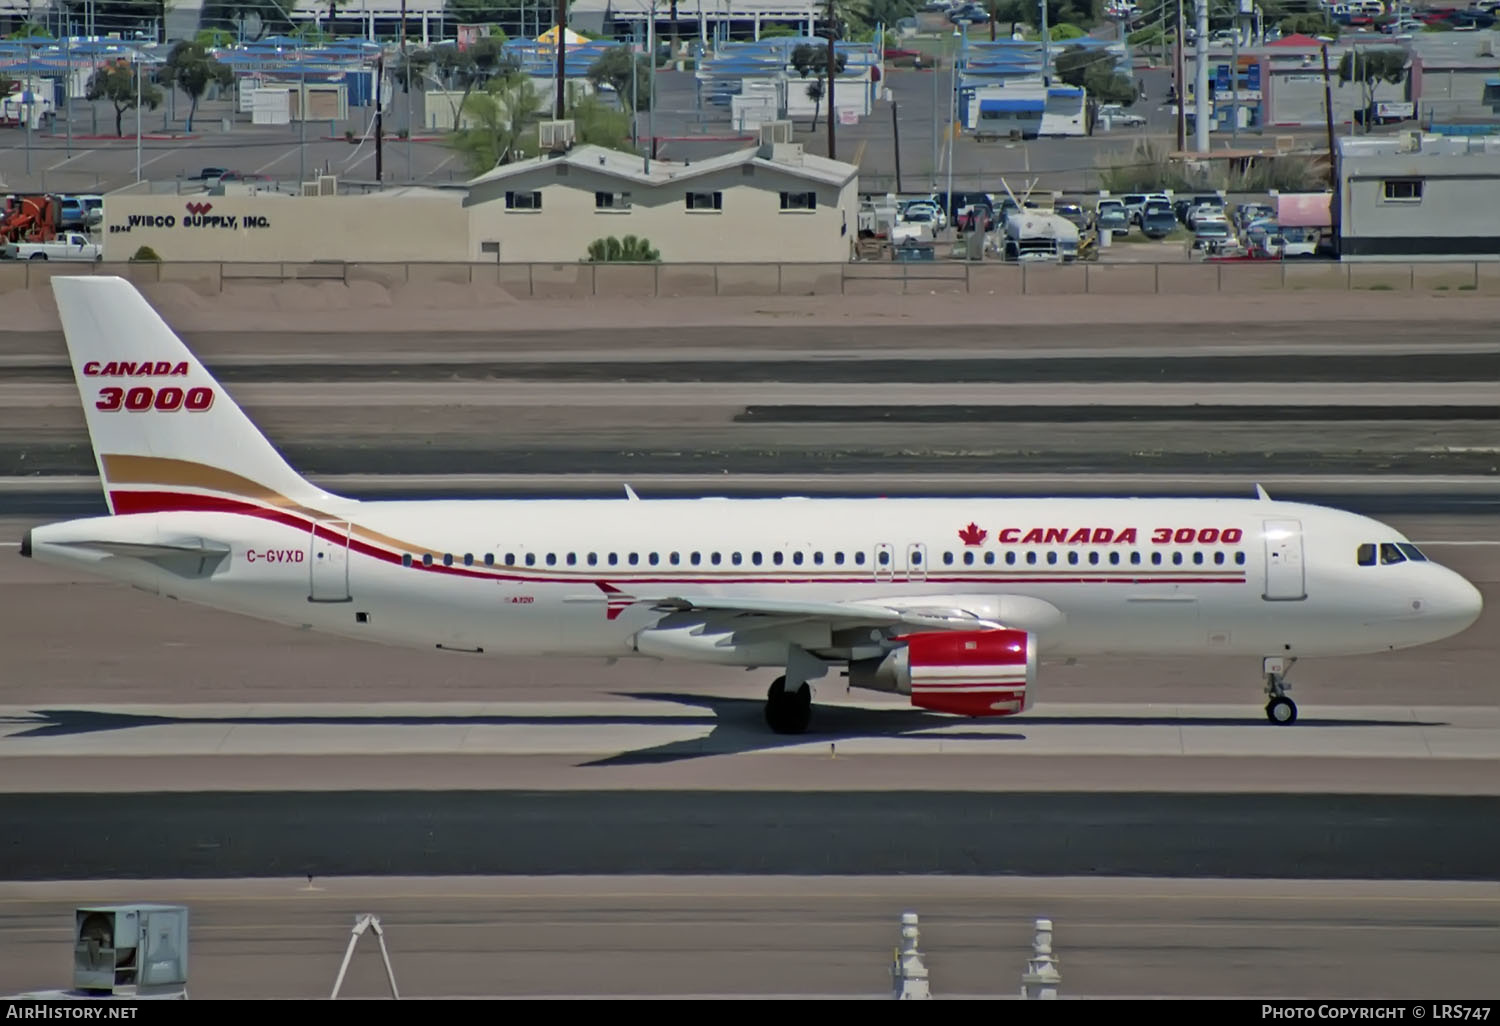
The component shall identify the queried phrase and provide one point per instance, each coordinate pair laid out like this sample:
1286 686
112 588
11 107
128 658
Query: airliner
952 603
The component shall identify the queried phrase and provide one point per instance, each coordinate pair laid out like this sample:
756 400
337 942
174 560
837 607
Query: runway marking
10 545
1457 543
278 160
74 157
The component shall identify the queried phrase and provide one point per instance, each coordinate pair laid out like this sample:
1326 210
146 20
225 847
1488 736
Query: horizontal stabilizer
188 557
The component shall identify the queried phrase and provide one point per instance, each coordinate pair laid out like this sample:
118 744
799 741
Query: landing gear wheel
788 712
1281 710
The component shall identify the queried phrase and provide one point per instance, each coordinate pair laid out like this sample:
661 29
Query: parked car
1073 212
1136 202
971 14
1157 220
1110 216
67 246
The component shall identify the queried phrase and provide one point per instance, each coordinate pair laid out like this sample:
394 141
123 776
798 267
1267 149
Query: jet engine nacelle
969 673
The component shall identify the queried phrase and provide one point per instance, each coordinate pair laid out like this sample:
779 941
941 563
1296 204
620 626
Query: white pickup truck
67 246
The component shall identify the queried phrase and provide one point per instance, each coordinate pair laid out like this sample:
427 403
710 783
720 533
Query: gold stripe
162 471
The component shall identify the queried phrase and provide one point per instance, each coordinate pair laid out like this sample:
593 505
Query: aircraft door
1285 576
885 562
916 562
329 557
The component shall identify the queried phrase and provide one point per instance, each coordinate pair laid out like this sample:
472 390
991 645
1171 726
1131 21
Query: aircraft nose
1459 603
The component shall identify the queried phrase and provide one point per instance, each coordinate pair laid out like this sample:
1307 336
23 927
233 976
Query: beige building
767 204
398 225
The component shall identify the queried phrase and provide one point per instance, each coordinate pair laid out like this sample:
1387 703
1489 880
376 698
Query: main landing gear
788 712
1279 708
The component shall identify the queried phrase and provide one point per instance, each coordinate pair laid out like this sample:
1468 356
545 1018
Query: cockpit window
1412 552
1390 553
1365 556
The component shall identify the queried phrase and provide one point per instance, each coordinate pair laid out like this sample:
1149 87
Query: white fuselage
557 577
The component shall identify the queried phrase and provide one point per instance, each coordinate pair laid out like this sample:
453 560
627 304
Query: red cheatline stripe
962 689
126 502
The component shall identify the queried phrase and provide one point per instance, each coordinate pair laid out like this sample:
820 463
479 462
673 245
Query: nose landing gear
1279 708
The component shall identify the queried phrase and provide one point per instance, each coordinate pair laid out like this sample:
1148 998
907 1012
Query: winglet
630 494
1260 493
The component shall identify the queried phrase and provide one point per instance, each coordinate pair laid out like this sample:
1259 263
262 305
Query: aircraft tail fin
165 433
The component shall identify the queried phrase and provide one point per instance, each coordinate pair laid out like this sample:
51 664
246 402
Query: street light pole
1200 89
137 117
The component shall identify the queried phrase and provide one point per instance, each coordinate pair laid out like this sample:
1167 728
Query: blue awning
1064 91
1013 106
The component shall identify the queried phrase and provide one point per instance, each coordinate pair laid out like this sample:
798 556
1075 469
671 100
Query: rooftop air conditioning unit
773 132
130 949
556 136
1409 142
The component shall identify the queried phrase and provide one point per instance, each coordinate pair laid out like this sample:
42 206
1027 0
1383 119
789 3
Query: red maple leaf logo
972 535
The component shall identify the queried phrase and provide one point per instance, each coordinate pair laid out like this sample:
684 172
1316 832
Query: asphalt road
425 833
766 937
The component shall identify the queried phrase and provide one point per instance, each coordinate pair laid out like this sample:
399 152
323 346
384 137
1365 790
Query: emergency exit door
329 556
916 562
1285 576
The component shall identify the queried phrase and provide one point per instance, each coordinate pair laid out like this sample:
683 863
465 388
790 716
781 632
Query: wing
944 612
913 611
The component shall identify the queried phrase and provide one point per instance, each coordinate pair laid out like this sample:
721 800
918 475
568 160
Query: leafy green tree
1367 67
812 59
121 16
613 68
191 68
815 94
596 123
629 250
1095 73
116 83
778 31
500 115
1309 24
29 29
487 12
214 38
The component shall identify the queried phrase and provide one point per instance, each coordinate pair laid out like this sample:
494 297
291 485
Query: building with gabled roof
771 203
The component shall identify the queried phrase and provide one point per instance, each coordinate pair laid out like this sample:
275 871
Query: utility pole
406 88
1234 85
1181 87
635 77
1200 89
301 117
137 117
379 118
1046 47
651 89
896 135
832 99
68 86
1335 208
1333 180
933 183
562 21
